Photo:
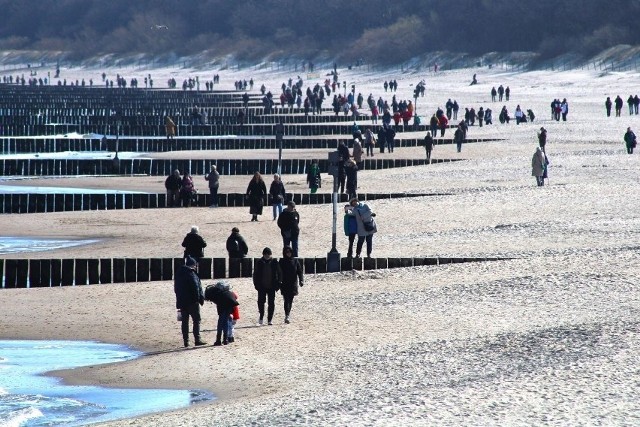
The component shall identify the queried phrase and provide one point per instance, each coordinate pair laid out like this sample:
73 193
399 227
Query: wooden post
81 272
105 270
67 272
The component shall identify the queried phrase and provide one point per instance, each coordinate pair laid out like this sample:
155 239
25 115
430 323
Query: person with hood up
256 193
292 279
630 140
538 166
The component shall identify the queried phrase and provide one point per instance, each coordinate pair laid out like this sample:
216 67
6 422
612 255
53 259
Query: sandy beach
549 337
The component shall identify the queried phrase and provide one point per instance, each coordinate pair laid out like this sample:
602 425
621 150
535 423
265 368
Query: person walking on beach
537 166
365 223
187 189
214 183
170 127
357 153
267 278
443 123
194 244
292 279
256 193
189 298
369 142
343 155
542 138
236 245
289 224
390 138
350 228
428 146
173 184
351 170
619 104
630 140
433 125
458 138
313 177
607 105
277 194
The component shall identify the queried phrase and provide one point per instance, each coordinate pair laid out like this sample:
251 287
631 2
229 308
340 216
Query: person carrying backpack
236 246
220 294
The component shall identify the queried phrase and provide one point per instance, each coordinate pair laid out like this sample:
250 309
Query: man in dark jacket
267 278
173 184
630 140
390 138
542 138
236 246
288 222
343 152
428 145
194 244
189 298
458 137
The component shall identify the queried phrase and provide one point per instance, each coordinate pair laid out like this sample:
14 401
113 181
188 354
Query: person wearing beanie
189 298
289 222
194 244
267 278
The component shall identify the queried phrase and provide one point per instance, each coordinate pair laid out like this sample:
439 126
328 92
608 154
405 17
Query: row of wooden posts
38 273
13 145
197 130
69 202
164 167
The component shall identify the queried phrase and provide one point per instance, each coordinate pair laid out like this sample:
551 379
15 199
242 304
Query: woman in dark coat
256 192
291 278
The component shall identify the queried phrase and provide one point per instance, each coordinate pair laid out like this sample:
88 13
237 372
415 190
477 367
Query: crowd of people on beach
269 276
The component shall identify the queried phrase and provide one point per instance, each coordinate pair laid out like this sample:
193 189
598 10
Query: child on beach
235 316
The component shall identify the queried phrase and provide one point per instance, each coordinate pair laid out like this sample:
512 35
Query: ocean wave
19 417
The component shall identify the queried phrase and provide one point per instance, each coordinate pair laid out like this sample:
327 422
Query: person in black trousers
267 278
292 279
189 298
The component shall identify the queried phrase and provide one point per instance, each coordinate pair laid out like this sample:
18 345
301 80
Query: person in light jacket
366 225
537 166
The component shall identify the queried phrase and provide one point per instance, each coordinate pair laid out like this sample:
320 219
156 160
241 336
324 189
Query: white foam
19 417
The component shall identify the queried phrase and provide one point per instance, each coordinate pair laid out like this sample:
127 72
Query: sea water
27 398
10 245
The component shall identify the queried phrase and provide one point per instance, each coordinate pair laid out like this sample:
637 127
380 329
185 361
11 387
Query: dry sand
548 338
